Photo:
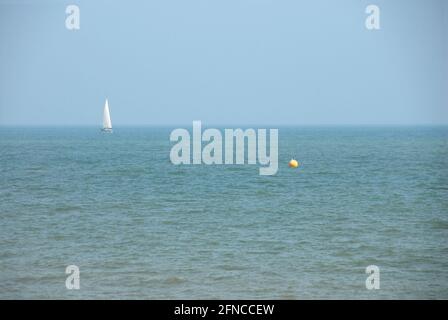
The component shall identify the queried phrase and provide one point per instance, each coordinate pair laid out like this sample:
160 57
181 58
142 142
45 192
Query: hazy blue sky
270 62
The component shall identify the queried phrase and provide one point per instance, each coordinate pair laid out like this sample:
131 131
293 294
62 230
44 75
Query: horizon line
209 124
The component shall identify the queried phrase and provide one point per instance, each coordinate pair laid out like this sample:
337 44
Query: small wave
438 188
228 267
174 280
67 208
288 296
440 224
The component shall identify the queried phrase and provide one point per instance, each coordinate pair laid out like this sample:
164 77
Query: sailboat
107 124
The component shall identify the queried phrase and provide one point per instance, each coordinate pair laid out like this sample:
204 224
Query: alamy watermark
234 148
72 21
73 280
373 20
373 280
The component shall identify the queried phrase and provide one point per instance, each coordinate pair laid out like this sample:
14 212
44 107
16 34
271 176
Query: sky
224 62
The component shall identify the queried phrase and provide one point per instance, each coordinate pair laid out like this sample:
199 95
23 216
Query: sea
138 227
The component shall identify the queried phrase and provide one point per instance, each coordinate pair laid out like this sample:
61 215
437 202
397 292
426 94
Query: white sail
107 124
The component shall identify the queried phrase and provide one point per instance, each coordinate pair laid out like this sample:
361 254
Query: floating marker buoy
293 163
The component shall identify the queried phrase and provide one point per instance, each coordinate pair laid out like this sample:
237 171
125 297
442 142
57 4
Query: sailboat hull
107 130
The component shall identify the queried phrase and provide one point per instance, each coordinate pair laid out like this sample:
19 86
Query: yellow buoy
293 163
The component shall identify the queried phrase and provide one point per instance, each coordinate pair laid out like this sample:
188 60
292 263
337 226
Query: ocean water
139 227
